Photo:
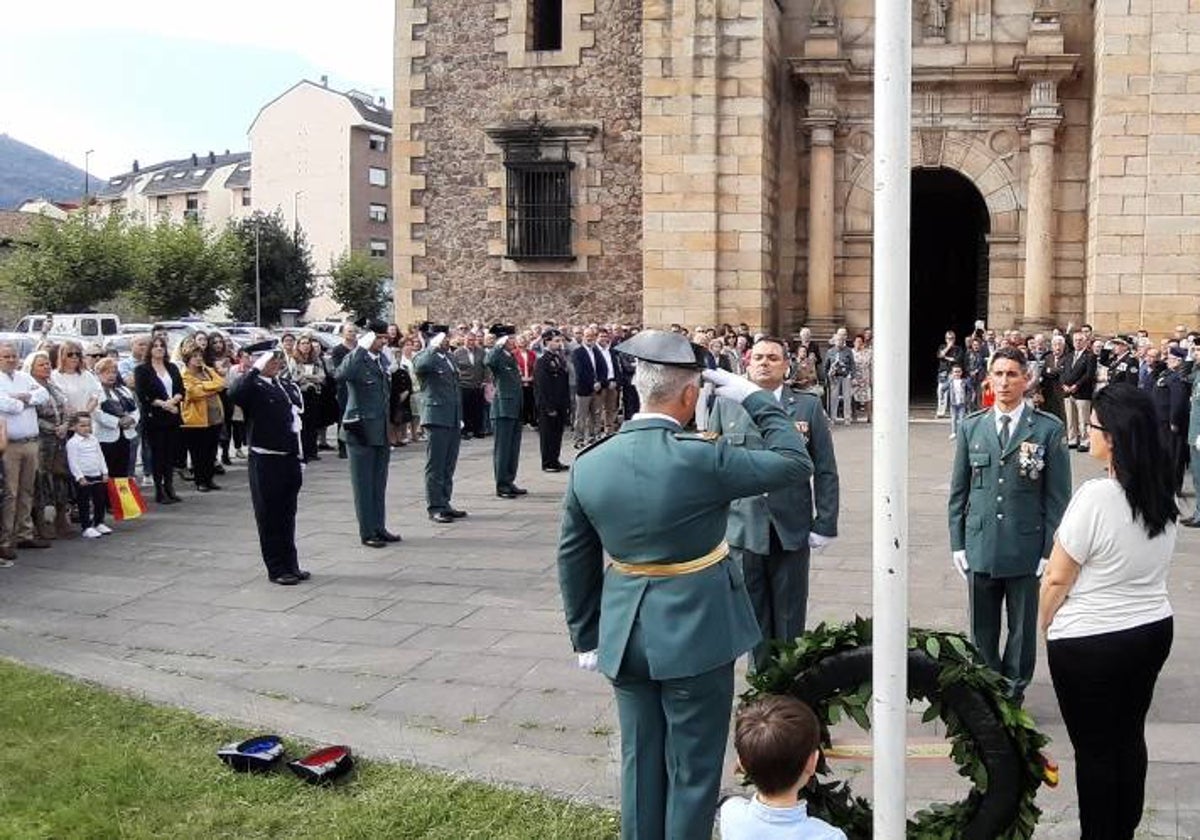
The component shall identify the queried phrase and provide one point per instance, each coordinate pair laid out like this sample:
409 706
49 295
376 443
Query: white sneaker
103 529
953 436
91 534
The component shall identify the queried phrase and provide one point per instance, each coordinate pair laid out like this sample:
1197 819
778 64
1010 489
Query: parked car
136 329
96 325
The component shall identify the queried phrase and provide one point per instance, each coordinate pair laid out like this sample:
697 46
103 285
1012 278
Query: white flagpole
889 670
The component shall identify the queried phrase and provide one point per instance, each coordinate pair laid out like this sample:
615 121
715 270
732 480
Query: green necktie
1004 421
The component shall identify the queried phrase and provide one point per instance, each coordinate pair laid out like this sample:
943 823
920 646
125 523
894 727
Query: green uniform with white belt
671 614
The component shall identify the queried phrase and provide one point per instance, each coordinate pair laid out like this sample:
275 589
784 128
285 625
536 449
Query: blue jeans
957 413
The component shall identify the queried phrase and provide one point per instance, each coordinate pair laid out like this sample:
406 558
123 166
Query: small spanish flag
124 499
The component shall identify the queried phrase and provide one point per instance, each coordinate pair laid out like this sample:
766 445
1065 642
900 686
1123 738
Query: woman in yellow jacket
202 416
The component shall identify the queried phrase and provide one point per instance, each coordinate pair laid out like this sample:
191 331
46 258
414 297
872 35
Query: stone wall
475 74
1144 206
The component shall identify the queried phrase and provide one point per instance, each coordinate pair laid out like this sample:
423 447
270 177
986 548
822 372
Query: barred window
546 24
539 209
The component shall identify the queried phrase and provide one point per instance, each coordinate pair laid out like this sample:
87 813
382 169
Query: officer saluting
670 614
442 417
552 391
506 413
272 406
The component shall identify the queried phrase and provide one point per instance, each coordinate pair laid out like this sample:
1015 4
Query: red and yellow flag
124 499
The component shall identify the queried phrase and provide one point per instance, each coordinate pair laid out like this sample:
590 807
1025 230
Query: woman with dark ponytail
1105 612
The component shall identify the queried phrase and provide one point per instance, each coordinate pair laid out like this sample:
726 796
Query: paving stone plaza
450 649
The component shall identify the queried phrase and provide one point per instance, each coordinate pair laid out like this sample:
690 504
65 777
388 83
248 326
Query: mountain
26 172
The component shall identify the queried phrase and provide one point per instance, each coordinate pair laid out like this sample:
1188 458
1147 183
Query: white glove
260 364
502 340
959 559
366 340
1198 441
730 385
818 542
437 340
1042 564
589 661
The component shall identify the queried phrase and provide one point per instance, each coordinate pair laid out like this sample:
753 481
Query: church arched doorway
949 268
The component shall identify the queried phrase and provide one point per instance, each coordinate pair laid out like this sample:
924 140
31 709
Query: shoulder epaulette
979 412
708 437
597 442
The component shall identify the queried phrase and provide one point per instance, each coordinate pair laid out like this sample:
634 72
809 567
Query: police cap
663 348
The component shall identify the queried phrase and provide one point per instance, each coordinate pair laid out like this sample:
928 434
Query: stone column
820 222
1039 228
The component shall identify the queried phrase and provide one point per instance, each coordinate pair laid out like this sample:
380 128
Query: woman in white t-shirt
1104 609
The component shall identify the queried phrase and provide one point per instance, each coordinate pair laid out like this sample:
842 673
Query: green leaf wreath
960 669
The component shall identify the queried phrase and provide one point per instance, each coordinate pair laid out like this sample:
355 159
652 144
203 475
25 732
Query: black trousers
92 499
116 457
529 412
201 443
275 482
164 442
473 406
1104 685
550 435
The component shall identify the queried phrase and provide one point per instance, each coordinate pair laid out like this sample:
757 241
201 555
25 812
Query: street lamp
86 178
296 210
257 272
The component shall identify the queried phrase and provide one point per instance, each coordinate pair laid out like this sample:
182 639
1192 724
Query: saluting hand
730 385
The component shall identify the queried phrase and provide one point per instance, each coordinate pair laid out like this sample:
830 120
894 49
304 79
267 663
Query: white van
94 325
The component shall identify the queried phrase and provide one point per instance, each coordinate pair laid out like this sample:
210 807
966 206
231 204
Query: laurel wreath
965 695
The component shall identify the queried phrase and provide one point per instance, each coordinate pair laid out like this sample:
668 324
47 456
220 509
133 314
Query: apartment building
212 188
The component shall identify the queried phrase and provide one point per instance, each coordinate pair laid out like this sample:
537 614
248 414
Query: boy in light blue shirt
777 739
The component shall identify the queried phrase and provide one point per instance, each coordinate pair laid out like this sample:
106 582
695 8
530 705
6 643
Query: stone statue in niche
936 12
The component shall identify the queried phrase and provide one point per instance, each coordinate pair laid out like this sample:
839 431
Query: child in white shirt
86 462
958 400
777 739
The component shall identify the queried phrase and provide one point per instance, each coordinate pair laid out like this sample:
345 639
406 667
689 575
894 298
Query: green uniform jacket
1003 508
1194 415
368 389
654 494
790 509
506 376
441 403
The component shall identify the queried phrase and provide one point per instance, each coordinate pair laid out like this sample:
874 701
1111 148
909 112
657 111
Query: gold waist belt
687 567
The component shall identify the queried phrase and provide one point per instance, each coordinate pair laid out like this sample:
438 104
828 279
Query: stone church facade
709 161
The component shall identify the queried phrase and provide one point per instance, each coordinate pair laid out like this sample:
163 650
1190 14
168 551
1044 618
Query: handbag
125 499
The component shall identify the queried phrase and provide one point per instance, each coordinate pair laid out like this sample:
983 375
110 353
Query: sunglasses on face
95 355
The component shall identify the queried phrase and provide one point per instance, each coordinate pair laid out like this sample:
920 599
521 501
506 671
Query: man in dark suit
364 372
272 406
1078 384
552 390
591 372
1122 365
442 418
506 413
1008 491
471 375
773 534
336 356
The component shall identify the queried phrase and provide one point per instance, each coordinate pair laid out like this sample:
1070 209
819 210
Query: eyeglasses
1097 427
95 355
72 355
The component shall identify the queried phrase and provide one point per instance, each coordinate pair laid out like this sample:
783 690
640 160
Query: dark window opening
539 209
546 24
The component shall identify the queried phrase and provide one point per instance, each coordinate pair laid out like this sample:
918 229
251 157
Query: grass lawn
80 762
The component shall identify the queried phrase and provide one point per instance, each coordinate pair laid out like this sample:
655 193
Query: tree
182 269
284 265
70 266
358 284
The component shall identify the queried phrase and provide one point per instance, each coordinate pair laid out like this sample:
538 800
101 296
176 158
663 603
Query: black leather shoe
441 516
554 468
34 543
203 488
388 536
1194 522
456 513
218 469
508 494
303 574
286 579
212 486
518 491
374 542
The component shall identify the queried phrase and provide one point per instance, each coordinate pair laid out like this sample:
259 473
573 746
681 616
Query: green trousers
778 587
673 736
441 458
368 478
507 452
1018 596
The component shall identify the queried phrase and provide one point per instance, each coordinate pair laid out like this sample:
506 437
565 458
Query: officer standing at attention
773 534
1009 488
1124 365
442 417
670 614
272 406
552 391
506 413
365 374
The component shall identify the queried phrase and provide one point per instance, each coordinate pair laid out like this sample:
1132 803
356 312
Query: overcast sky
153 80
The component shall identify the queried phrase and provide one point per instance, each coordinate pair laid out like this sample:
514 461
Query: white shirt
608 359
78 388
654 415
1015 414
1122 579
85 457
753 819
21 417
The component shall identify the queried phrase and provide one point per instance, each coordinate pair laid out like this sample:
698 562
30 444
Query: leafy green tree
182 269
284 265
358 284
70 266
